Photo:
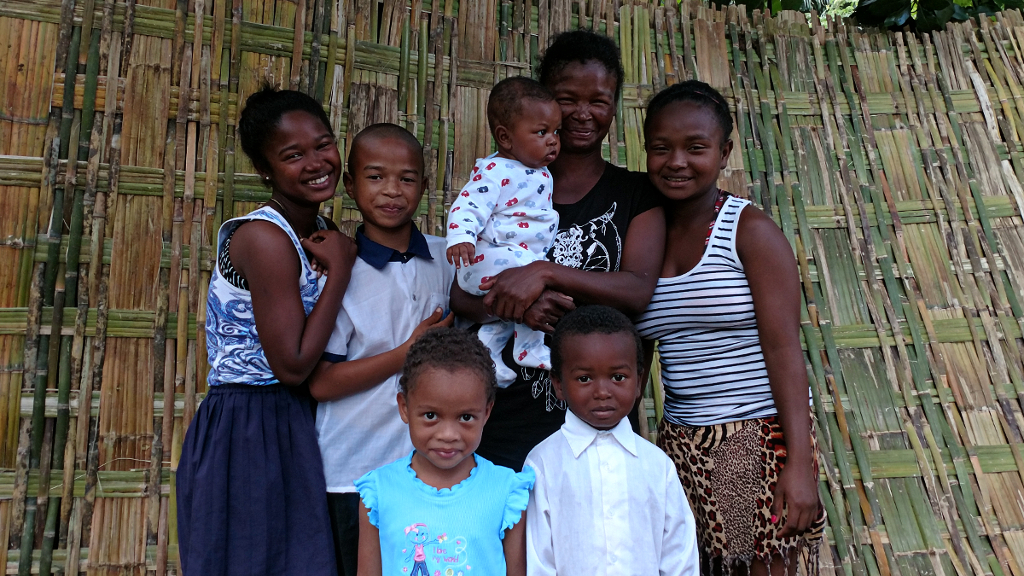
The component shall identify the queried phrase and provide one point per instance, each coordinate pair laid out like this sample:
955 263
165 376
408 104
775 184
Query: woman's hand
797 494
548 310
514 290
329 250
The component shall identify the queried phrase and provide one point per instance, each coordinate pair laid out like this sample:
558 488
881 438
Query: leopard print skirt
729 472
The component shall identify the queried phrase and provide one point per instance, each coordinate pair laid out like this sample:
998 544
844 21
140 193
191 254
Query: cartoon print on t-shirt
580 246
446 555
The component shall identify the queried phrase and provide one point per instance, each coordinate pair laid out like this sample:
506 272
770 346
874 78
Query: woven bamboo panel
893 162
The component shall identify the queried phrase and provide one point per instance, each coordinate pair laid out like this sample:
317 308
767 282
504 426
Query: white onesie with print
506 211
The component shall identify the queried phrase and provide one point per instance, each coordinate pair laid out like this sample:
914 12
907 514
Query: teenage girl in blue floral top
251 497
443 509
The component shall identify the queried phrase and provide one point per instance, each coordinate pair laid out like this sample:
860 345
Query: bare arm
630 289
774 284
648 357
264 255
333 380
369 545
515 548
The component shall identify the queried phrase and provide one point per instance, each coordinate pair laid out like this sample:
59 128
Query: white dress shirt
606 503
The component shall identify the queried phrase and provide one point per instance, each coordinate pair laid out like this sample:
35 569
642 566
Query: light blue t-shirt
453 531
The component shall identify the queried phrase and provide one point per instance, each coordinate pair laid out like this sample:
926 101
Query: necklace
279 208
722 195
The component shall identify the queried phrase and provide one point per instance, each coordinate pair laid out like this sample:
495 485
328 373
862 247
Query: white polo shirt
389 294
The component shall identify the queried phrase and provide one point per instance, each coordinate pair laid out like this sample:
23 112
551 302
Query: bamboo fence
893 162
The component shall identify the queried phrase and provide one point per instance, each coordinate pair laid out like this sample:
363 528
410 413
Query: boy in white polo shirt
606 502
398 290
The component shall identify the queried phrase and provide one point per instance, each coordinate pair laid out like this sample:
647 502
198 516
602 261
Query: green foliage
920 15
926 15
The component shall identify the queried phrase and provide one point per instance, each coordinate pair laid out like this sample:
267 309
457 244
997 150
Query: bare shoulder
757 233
261 242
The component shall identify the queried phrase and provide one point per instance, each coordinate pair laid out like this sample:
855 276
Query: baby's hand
461 253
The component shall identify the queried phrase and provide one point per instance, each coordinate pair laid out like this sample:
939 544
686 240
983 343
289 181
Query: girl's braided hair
450 350
691 91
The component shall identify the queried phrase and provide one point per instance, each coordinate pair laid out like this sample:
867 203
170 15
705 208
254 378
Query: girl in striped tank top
726 314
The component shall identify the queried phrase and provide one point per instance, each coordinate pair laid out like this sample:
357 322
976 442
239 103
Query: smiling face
533 137
586 96
599 380
446 412
386 181
301 159
686 150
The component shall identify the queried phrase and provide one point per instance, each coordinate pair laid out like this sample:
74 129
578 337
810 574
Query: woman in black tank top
608 249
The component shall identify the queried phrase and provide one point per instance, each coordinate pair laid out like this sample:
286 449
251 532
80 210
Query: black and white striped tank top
712 366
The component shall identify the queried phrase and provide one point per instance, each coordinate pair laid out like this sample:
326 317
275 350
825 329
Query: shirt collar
378 256
581 435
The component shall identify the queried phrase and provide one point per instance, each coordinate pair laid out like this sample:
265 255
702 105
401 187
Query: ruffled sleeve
518 498
366 485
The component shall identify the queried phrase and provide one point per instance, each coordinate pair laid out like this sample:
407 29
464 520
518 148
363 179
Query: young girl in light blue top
443 509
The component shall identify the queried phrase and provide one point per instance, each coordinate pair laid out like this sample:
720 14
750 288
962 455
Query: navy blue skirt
251 494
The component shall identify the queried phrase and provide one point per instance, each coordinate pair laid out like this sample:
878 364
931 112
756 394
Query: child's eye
583 379
374 177
618 377
466 418
430 415
541 132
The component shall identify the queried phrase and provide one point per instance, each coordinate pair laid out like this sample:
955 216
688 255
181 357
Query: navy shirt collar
378 256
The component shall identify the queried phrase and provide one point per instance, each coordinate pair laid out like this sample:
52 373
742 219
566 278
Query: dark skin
540 293
301 150
686 150
386 183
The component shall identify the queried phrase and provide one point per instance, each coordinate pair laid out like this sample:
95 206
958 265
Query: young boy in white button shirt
606 501
398 289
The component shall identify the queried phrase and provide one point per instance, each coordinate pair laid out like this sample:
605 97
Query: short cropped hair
691 91
262 113
505 104
594 319
581 46
450 350
385 130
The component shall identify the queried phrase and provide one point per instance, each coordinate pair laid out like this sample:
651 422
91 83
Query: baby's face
534 134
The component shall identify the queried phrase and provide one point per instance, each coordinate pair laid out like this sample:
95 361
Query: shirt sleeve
647 196
518 498
474 204
540 553
679 545
337 344
366 485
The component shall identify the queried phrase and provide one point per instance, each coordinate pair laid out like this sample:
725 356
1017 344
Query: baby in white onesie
503 218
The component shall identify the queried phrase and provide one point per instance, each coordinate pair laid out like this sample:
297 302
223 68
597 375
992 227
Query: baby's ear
502 137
